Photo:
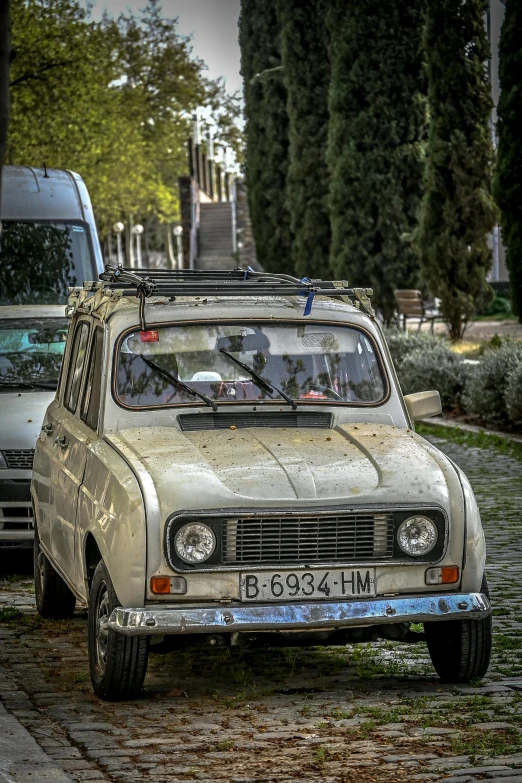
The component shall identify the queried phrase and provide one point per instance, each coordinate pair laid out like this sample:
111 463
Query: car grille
14 517
19 459
343 537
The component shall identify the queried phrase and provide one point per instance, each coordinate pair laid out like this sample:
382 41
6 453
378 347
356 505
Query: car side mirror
422 405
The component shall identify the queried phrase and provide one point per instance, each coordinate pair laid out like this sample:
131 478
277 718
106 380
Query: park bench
410 304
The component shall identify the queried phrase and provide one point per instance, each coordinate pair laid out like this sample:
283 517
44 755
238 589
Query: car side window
90 408
76 362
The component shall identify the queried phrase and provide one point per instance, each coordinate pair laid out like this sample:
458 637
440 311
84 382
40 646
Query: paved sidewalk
477 331
21 759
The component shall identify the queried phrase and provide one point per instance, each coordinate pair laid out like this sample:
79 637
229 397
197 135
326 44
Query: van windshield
311 363
31 351
39 261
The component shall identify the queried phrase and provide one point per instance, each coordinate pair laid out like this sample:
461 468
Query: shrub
424 361
514 393
402 344
435 366
498 306
487 394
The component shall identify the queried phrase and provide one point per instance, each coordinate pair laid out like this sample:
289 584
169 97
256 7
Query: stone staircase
215 240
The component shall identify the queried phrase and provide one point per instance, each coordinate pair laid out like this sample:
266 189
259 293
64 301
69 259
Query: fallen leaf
177 692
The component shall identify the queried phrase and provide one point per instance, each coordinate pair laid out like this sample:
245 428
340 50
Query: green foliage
110 100
508 177
435 368
487 390
9 614
514 393
266 163
306 73
376 137
458 211
425 362
35 261
498 306
402 343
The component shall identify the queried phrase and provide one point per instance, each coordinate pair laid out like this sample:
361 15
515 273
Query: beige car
229 459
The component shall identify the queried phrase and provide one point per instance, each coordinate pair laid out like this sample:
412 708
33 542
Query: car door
70 439
45 468
88 417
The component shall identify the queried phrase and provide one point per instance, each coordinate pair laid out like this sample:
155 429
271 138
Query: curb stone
437 421
22 760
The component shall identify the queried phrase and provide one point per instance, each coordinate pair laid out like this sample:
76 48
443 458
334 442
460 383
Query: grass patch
381 716
481 440
486 743
503 642
10 614
320 755
224 745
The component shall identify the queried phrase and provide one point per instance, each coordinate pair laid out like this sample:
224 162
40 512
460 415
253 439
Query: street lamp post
178 233
137 231
118 229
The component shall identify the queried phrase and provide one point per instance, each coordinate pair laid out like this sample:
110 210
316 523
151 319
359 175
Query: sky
213 24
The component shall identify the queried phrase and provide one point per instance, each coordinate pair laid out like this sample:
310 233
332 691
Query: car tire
54 599
460 650
117 663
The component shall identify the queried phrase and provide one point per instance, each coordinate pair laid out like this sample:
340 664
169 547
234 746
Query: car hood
22 414
353 463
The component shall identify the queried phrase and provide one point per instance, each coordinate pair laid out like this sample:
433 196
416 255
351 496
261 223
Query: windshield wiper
50 385
261 382
172 378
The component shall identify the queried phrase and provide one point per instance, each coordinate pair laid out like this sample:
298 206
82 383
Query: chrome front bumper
299 616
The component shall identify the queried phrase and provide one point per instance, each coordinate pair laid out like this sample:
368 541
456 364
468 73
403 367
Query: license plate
307 585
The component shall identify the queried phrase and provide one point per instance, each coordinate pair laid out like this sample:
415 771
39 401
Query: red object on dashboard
313 395
151 336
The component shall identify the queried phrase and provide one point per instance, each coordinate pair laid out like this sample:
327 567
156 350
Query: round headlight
194 543
417 536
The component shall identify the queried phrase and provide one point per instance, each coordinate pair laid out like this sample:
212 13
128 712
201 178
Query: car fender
474 556
111 509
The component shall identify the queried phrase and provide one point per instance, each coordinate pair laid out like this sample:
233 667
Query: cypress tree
306 72
266 162
375 147
508 179
458 211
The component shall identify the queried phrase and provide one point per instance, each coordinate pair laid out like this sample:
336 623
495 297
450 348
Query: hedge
491 390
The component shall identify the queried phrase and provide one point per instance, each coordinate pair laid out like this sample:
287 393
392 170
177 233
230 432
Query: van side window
92 390
74 378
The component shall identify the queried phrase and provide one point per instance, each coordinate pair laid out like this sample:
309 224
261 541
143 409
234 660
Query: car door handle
48 428
62 442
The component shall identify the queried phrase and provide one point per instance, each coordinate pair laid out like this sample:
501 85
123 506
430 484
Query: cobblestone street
357 713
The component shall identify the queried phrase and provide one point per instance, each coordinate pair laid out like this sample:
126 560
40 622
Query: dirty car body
245 473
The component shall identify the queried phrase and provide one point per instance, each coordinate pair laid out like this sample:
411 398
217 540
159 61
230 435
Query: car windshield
39 261
314 362
31 351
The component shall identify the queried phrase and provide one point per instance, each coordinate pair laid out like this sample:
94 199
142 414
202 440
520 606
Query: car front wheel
117 663
54 600
460 650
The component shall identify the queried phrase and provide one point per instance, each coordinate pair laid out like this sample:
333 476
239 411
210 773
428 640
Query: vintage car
229 459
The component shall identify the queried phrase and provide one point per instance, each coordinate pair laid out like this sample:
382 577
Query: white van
48 243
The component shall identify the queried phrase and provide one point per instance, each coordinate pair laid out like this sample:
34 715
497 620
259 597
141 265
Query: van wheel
54 600
117 663
460 650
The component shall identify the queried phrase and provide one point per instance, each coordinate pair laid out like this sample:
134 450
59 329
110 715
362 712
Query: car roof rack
172 283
